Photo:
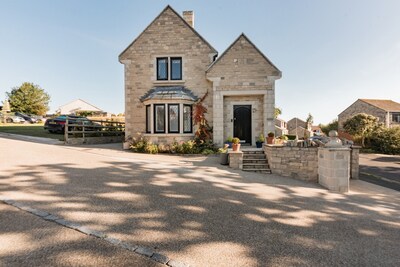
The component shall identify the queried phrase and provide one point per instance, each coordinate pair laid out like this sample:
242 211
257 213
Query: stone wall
295 162
354 163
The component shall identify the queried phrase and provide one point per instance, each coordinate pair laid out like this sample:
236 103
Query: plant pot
259 144
223 159
235 147
270 140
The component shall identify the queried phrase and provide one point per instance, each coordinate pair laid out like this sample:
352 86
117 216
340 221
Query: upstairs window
395 117
169 68
176 68
162 68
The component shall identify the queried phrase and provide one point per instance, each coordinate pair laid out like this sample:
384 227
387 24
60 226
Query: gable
80 105
168 22
243 54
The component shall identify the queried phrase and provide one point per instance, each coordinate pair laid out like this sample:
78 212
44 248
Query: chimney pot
188 16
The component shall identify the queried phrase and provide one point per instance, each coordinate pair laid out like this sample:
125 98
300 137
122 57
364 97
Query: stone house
280 127
170 66
299 127
387 111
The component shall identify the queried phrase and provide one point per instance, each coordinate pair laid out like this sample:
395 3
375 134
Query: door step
255 161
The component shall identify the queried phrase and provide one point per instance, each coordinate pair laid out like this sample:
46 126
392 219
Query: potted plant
270 138
260 141
223 155
229 141
235 144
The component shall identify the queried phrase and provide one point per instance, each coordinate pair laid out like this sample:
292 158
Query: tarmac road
380 169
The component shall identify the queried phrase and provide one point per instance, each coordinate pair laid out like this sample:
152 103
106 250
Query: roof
169 93
387 105
168 7
251 43
77 105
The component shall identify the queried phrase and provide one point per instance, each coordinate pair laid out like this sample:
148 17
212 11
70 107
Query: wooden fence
94 132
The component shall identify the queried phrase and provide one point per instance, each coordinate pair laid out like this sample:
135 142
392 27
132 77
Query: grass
29 129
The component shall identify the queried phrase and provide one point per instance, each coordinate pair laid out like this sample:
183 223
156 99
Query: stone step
254 161
252 167
254 156
258 170
253 152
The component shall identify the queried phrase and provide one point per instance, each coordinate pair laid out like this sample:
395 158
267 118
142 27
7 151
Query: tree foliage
387 140
203 133
29 98
333 125
361 125
278 111
309 120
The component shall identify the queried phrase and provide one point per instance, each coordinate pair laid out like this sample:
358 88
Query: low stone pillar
236 159
334 168
354 164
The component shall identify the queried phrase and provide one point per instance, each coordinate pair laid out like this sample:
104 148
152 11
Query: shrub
271 134
387 141
283 137
229 139
235 140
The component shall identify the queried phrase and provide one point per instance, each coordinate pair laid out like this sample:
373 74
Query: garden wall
296 162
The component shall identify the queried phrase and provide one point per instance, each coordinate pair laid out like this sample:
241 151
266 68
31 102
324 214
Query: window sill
168 134
168 82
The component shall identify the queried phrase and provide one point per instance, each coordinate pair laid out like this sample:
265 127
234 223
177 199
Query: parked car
57 125
14 119
26 117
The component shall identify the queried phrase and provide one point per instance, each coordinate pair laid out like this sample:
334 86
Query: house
169 67
387 111
280 127
78 106
299 127
317 130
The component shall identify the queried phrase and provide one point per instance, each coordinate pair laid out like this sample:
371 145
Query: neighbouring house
387 111
170 66
299 127
280 127
317 130
78 106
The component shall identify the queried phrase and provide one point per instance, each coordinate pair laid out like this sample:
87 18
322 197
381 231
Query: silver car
15 119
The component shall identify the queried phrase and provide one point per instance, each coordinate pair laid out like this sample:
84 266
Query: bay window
169 118
159 118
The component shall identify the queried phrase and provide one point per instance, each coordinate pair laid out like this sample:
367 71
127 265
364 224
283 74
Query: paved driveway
381 169
195 211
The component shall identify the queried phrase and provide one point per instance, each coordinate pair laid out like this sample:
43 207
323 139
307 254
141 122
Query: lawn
29 129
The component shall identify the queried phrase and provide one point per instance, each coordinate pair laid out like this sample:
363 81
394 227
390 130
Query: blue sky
330 52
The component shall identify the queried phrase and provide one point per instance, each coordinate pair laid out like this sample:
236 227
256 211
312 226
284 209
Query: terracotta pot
270 140
235 147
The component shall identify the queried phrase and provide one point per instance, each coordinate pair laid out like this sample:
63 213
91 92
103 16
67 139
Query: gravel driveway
196 211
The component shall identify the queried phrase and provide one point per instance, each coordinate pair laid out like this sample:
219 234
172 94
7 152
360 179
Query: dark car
26 117
57 125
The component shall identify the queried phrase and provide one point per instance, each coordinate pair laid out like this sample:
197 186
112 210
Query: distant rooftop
387 105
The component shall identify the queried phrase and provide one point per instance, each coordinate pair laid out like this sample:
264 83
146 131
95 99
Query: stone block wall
296 162
236 159
334 168
354 163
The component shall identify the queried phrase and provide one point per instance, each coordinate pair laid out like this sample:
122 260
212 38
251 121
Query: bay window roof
169 93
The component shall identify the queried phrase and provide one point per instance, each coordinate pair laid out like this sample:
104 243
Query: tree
361 125
333 125
29 98
278 111
309 120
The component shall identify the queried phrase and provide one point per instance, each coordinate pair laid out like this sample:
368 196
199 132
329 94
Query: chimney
188 16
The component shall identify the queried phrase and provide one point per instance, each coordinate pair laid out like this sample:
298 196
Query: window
173 118
148 118
187 118
176 68
162 68
159 118
166 118
396 117
163 64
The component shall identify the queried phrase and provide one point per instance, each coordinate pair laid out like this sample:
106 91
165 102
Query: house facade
299 127
169 67
280 127
387 111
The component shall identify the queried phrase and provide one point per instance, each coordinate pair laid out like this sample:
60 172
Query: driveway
201 213
383 170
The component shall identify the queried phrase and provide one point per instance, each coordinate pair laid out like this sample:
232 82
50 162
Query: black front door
242 122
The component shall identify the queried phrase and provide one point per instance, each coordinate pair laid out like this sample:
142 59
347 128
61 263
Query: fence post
66 131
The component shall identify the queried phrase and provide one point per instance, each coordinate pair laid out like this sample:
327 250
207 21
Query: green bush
387 141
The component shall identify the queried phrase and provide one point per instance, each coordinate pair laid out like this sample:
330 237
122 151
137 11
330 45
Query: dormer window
169 68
